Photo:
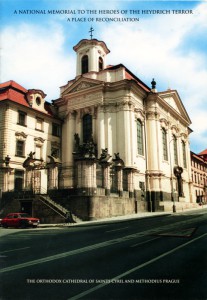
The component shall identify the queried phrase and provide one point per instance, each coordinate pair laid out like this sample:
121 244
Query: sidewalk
140 215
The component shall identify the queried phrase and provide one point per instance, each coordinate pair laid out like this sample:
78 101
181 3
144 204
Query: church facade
124 146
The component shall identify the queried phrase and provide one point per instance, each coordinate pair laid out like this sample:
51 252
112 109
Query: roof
202 157
83 42
14 92
11 90
130 76
204 152
13 84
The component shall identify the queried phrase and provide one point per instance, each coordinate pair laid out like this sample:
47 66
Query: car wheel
5 226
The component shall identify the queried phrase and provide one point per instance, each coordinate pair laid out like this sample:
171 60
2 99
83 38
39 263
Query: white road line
87 292
117 229
15 250
145 242
82 250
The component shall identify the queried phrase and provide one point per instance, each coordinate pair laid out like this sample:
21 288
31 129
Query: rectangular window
87 128
22 118
55 129
175 150
164 144
39 124
20 148
140 146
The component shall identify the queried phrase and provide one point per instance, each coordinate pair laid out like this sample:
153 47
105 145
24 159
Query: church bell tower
91 56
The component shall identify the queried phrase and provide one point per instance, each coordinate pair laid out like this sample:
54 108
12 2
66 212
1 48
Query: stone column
152 151
101 130
120 180
67 156
131 183
86 176
106 177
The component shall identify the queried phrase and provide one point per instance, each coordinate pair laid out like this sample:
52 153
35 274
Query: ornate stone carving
87 150
139 114
21 135
152 115
164 123
39 141
175 129
82 86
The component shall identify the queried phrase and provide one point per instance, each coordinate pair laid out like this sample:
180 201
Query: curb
120 219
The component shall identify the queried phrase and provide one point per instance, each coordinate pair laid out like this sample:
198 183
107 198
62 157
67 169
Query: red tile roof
13 84
14 92
11 90
204 152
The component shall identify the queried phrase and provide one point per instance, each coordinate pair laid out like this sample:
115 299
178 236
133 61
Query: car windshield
24 216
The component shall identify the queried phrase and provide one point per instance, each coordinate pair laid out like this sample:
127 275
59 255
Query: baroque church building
120 147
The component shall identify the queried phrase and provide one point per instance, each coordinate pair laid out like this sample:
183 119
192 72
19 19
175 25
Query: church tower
91 56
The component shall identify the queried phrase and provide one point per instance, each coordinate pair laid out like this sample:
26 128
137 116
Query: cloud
34 57
161 47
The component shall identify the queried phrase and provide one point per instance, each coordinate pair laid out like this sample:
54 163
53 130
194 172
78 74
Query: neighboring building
124 146
29 133
199 176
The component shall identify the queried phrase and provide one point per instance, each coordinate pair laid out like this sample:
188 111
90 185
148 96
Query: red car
21 220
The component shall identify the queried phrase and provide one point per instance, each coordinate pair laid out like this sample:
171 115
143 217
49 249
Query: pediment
80 85
172 99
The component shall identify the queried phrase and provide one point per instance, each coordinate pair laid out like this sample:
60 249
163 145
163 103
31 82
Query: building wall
199 178
32 138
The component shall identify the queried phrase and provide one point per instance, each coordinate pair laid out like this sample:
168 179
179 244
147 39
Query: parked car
19 220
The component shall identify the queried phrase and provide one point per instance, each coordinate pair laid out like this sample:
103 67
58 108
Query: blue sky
37 49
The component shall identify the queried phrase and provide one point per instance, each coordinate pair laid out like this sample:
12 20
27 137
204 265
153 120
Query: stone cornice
21 135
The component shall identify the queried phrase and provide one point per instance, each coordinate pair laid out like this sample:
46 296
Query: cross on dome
91 32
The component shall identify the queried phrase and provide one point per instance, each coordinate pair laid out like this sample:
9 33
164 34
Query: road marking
15 250
135 245
117 229
87 292
188 232
88 248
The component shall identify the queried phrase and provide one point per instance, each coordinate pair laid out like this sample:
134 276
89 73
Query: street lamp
172 188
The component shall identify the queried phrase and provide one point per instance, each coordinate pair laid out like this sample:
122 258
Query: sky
165 40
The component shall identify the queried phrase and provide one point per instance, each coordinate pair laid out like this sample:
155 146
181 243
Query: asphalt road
154 258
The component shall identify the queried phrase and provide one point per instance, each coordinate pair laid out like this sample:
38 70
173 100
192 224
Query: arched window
175 148
100 63
140 142
164 144
87 128
184 154
84 64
